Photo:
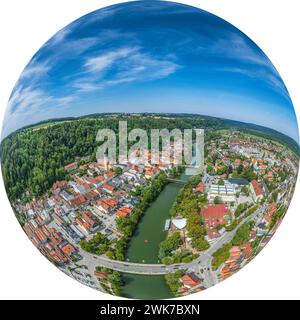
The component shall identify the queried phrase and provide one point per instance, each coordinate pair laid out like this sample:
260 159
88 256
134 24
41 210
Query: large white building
226 192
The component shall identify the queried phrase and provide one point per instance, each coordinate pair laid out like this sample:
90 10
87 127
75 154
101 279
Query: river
144 246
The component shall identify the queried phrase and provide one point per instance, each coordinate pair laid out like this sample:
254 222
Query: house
77 201
83 225
215 215
232 264
78 188
68 249
92 181
212 235
108 188
148 174
58 186
107 205
91 195
95 181
109 174
89 218
40 235
247 250
103 206
71 166
272 208
267 218
124 212
190 280
236 163
256 191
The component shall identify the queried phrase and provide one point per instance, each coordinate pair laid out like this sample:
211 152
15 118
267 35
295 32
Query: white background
26 25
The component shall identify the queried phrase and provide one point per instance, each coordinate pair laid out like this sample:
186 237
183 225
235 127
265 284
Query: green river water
144 247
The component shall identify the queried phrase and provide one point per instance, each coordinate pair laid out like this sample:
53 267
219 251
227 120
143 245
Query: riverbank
144 244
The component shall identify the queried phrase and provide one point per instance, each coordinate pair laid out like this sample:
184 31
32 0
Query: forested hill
33 158
193 119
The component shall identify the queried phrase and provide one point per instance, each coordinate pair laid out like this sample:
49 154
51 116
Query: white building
226 192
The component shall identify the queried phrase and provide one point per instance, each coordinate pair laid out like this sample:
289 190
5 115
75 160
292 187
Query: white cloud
28 105
102 62
123 65
35 70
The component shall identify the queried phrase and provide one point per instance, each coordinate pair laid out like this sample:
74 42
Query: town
220 219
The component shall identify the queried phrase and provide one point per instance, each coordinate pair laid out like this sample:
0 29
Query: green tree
218 200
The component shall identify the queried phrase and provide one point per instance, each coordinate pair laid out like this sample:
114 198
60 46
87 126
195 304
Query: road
205 257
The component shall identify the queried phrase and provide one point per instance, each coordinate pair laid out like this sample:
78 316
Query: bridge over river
177 181
205 257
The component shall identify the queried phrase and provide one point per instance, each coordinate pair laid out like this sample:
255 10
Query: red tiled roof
213 234
71 165
218 210
88 217
100 179
77 201
256 187
124 212
247 248
267 217
111 202
83 224
68 249
272 208
108 187
190 280
101 275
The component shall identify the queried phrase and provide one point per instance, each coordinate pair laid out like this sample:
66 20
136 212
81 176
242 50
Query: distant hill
208 122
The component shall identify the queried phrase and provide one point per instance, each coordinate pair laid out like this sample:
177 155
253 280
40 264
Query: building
124 212
89 218
256 191
107 205
212 235
238 181
68 249
226 192
83 225
233 264
190 280
108 188
103 206
178 224
71 166
215 215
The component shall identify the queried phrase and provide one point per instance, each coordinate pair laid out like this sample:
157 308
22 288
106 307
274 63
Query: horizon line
147 113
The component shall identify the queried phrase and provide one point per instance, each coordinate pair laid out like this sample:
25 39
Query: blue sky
151 56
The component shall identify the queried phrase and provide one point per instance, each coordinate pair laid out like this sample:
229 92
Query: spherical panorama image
150 150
